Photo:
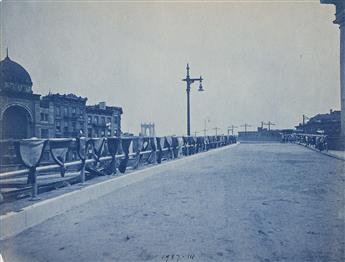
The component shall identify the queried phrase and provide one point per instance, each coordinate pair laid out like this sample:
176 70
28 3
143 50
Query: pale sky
261 60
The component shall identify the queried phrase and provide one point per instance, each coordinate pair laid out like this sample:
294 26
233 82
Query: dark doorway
15 123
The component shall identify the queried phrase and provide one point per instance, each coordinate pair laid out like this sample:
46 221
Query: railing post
30 152
82 172
34 191
81 149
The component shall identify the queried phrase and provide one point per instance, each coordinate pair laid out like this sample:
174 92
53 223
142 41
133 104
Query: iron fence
74 160
319 142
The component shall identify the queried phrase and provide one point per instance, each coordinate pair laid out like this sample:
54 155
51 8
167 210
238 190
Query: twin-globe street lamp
190 81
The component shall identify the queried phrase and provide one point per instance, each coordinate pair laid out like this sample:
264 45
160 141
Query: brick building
103 120
24 114
68 113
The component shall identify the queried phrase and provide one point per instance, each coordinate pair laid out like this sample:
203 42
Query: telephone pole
269 124
206 120
305 118
231 128
245 125
216 128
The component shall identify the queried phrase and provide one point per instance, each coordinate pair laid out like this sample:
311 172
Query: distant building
24 114
103 120
328 124
262 134
68 113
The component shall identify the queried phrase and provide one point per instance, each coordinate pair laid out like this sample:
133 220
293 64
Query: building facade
68 113
328 124
262 134
103 120
24 114
18 103
340 20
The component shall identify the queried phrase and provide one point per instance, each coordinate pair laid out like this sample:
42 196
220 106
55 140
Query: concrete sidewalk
331 153
337 154
21 215
250 203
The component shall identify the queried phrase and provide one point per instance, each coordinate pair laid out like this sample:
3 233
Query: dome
14 75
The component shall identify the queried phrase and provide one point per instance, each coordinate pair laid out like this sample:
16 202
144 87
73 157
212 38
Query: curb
325 153
14 223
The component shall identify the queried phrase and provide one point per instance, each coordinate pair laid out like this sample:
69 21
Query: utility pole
196 132
245 125
269 124
189 81
305 118
216 128
232 127
204 130
207 120
303 121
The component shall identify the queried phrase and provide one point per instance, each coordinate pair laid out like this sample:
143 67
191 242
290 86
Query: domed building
14 77
19 106
24 114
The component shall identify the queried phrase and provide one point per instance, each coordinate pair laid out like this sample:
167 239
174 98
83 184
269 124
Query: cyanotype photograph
172 130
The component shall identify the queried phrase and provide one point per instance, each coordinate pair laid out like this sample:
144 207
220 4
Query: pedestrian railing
315 141
92 157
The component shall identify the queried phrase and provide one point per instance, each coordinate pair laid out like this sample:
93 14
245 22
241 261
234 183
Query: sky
260 60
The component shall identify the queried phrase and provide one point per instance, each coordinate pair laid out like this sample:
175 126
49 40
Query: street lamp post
190 81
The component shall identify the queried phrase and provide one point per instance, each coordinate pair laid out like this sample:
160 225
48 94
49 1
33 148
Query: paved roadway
252 202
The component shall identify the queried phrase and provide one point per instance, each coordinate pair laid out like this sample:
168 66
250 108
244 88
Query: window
58 126
65 129
102 133
74 111
108 120
103 120
96 119
89 132
58 111
89 119
44 133
74 126
65 111
116 120
108 133
44 117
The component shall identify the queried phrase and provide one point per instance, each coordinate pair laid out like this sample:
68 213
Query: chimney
102 105
330 111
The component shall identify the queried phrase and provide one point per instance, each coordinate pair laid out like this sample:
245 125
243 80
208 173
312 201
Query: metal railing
315 141
95 157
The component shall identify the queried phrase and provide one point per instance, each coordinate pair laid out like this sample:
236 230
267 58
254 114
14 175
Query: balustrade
91 157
